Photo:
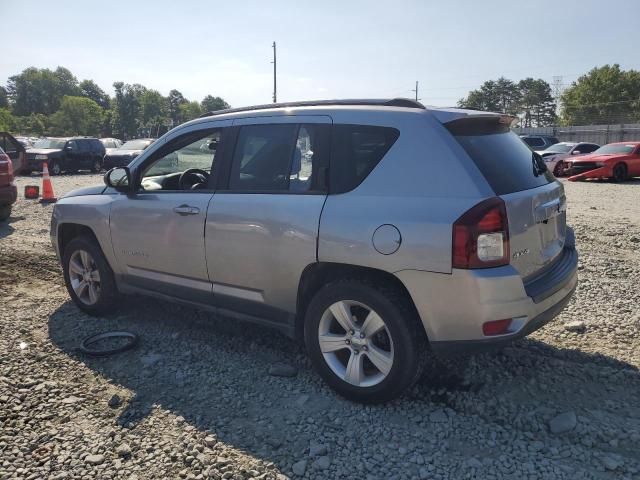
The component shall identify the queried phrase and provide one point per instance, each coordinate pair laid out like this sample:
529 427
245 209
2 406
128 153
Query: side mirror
576 152
68 148
118 178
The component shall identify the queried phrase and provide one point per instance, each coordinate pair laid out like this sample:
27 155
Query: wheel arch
69 231
315 275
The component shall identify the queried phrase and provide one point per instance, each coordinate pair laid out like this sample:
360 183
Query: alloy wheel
355 343
84 277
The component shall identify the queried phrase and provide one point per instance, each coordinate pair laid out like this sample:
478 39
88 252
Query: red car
8 190
614 160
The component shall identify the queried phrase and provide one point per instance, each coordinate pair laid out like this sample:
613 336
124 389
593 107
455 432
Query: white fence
600 134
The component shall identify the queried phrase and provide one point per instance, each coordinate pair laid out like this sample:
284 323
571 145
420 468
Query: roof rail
384 102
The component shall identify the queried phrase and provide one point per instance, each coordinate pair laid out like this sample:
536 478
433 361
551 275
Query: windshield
613 148
136 145
560 148
49 143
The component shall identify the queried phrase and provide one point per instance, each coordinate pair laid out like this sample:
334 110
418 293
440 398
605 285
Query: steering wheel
198 177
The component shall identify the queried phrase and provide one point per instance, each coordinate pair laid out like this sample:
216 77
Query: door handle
186 210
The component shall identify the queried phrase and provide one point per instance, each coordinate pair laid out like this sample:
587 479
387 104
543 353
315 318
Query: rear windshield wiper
539 167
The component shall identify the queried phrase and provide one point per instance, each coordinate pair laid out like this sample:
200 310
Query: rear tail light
496 327
481 236
6 167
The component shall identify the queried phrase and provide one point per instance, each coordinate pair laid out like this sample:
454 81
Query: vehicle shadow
214 373
6 228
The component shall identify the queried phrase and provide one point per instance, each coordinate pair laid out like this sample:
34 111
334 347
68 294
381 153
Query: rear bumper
8 195
453 307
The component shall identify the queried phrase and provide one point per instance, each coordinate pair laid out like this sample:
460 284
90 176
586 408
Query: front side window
193 153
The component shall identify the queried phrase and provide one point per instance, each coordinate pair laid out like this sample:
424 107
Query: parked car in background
26 142
554 155
122 156
367 230
539 142
111 144
66 155
618 161
14 150
8 189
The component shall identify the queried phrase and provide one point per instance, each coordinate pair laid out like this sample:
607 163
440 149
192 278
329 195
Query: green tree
77 116
537 106
4 101
126 109
7 121
501 95
40 90
189 111
605 94
174 101
89 89
153 106
211 104
34 124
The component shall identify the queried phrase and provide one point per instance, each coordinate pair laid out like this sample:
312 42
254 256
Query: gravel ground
196 399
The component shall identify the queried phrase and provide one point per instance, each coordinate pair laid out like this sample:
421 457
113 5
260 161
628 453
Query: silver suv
369 230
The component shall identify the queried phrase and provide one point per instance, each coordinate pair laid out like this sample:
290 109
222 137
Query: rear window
505 161
355 151
534 141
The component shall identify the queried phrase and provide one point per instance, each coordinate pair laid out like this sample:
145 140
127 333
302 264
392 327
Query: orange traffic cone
47 188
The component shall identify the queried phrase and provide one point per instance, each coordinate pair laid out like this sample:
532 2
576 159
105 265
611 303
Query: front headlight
41 157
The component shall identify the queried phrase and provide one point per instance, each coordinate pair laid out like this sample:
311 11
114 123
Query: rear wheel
5 212
55 168
97 165
620 172
364 340
88 276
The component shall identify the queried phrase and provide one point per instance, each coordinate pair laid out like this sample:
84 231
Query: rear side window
504 160
355 151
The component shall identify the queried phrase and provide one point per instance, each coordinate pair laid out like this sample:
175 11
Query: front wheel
55 168
558 169
620 172
364 340
88 276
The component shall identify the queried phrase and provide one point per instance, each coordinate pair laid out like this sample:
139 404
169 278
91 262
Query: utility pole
557 91
416 90
275 91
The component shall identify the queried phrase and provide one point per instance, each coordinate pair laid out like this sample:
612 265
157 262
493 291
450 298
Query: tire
5 212
399 345
55 168
103 286
557 170
97 166
620 172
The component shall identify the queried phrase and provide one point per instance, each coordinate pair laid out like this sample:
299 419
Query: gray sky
326 49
